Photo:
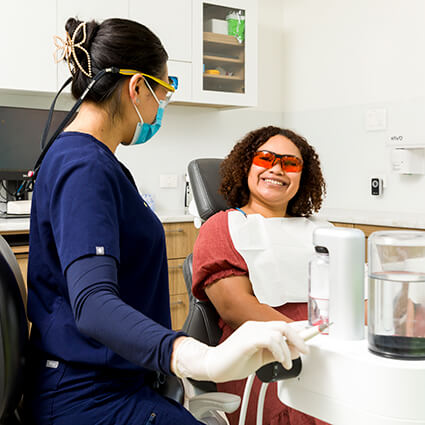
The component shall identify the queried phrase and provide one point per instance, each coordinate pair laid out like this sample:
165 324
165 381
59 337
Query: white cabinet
183 71
84 10
192 44
224 68
26 45
213 67
171 21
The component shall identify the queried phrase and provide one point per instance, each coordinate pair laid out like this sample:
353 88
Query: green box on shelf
236 25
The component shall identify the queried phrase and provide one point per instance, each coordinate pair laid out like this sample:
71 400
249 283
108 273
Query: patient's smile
275 182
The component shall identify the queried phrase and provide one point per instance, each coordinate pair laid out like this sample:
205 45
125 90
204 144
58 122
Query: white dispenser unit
346 249
408 160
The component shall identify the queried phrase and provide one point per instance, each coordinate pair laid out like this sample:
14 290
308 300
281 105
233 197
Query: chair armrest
204 403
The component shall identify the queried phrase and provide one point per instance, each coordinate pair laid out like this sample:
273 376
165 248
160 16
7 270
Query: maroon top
214 255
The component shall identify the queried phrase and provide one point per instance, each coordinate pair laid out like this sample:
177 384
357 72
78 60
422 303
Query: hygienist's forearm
126 331
102 315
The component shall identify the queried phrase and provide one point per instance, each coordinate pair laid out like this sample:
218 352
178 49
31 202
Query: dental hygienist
98 280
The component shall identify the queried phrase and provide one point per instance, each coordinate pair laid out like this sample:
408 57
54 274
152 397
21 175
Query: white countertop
377 218
176 216
14 224
23 224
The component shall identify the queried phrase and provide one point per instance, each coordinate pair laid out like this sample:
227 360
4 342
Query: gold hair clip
64 50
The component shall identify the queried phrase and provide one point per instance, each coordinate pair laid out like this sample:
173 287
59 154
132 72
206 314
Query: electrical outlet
376 119
168 181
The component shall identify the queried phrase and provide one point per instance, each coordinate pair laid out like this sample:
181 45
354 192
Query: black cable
29 183
71 113
49 118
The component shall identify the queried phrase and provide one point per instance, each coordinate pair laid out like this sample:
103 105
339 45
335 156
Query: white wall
341 58
324 63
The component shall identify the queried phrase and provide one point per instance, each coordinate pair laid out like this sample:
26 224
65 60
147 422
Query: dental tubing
312 331
250 347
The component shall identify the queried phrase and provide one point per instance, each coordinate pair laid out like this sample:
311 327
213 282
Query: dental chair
13 335
202 321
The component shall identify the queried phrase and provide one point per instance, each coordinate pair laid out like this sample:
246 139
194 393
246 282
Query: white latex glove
250 347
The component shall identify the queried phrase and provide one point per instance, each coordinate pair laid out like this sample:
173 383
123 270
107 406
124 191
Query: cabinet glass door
223 49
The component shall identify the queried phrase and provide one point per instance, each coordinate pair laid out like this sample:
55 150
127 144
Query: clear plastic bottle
318 288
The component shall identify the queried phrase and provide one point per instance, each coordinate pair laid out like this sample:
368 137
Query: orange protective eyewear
288 163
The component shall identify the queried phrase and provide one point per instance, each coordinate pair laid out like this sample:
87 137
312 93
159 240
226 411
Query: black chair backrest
204 176
202 320
13 331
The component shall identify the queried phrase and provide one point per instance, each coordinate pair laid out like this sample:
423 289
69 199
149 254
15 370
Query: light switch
168 181
376 119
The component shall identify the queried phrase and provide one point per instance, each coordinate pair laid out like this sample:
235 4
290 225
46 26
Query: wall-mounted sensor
376 186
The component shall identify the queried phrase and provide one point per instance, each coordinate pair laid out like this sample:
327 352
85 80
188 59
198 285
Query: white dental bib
277 251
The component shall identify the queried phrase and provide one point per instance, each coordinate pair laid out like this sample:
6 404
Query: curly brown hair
235 168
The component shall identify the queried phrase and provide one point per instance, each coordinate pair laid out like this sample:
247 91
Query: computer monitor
20 140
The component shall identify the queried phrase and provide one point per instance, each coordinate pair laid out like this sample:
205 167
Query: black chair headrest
10 259
13 332
204 176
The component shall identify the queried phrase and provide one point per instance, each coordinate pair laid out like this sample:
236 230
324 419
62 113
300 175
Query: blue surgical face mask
145 131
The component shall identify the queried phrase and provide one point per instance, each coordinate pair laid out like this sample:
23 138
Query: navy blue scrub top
84 204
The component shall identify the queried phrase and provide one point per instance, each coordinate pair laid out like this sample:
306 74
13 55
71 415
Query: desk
342 383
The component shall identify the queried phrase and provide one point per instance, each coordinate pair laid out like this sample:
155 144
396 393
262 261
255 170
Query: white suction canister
346 249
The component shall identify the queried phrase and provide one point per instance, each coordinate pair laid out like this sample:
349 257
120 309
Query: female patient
251 261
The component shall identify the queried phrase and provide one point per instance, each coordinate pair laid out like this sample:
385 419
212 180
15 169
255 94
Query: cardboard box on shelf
218 26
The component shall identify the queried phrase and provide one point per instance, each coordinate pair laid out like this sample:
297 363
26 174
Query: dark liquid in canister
398 347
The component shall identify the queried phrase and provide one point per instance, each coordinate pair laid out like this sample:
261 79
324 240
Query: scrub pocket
41 384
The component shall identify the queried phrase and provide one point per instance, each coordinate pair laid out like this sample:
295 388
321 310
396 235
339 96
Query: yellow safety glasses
171 86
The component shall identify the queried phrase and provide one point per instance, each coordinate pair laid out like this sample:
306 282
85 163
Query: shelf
20 249
224 77
222 59
228 40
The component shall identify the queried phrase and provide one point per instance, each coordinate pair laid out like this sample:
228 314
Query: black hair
114 42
